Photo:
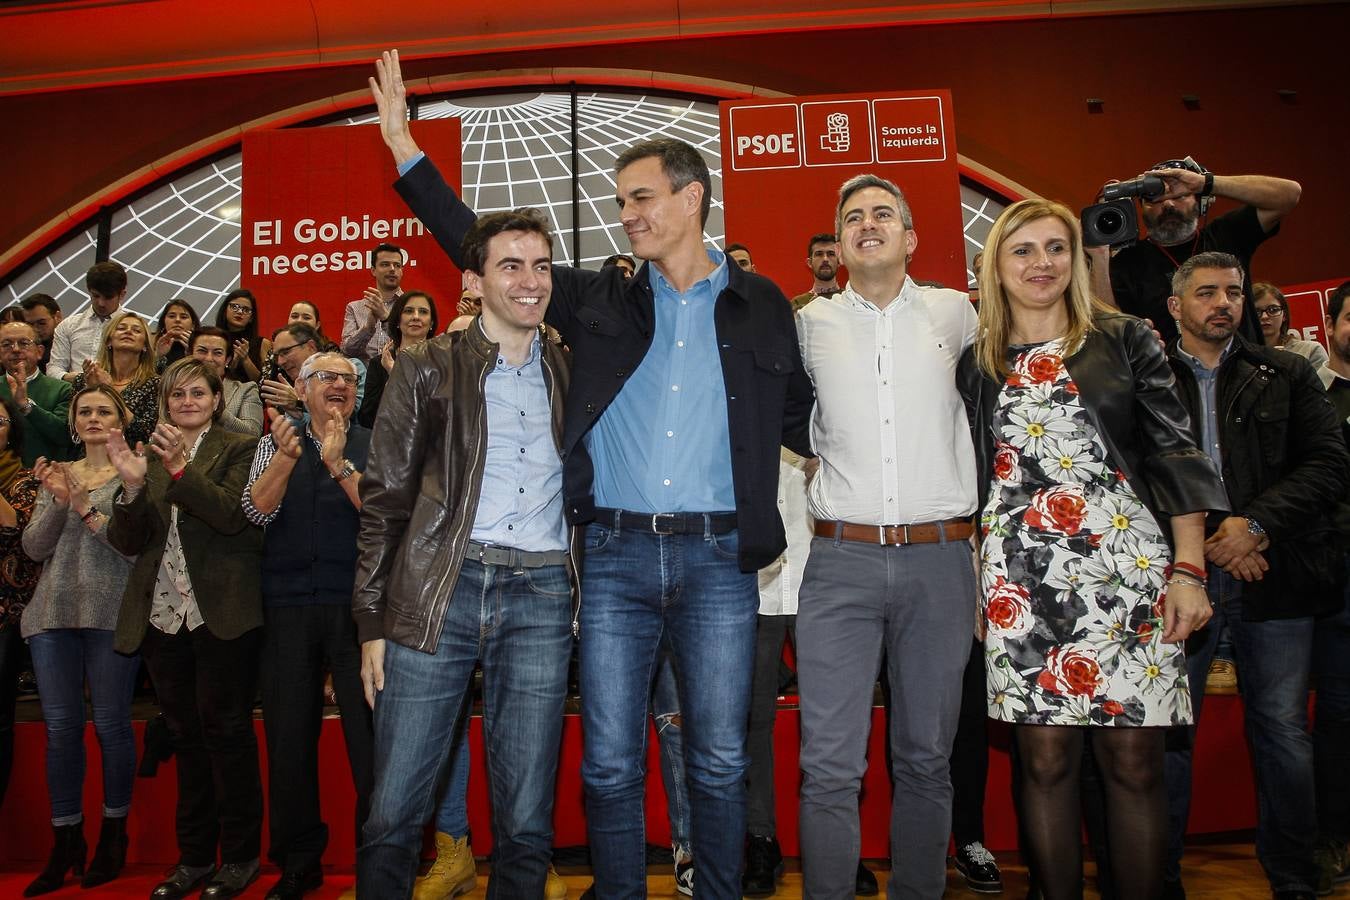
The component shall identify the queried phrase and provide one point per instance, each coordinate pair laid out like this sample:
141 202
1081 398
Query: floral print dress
1072 568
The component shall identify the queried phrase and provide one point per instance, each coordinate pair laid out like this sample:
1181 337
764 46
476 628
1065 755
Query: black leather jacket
1127 388
1285 465
609 324
419 492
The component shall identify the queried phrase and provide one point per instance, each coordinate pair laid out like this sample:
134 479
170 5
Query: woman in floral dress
1092 555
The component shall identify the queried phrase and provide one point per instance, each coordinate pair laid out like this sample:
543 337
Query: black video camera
1115 222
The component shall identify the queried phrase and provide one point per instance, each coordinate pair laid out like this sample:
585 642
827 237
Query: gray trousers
918 603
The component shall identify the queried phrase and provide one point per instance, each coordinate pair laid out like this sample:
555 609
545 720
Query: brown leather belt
895 535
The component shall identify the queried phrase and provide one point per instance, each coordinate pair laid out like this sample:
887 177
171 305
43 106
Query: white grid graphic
182 239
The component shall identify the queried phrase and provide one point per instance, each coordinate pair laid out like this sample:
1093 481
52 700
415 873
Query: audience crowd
651 477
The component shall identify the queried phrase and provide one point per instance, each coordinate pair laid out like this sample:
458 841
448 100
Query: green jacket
46 428
223 551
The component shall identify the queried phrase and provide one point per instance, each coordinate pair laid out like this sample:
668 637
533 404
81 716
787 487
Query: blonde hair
145 369
189 368
991 345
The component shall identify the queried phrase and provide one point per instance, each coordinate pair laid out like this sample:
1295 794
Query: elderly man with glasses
42 400
303 491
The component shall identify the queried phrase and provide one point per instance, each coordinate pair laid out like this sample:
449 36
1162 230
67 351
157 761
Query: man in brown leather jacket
465 559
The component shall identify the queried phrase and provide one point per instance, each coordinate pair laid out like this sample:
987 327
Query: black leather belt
668 523
491 555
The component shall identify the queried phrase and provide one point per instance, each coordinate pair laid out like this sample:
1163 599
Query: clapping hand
53 478
167 443
286 437
95 374
334 441
129 463
240 352
375 306
18 384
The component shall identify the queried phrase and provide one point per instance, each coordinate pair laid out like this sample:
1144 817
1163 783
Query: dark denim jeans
1331 722
641 592
62 660
518 625
1273 659
670 734
452 807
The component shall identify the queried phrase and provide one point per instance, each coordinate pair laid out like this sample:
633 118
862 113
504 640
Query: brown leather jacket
419 493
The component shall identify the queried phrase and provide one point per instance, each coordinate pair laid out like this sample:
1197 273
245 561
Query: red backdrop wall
1019 88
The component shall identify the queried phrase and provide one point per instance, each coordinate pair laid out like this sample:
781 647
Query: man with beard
1273 565
363 333
822 258
1139 276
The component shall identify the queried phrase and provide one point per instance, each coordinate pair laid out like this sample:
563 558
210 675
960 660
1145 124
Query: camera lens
1109 222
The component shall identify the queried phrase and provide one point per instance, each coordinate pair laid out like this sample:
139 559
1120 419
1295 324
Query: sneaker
684 873
1222 677
763 866
978 866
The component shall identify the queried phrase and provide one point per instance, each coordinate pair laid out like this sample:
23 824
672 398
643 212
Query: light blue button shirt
1208 382
521 503
663 444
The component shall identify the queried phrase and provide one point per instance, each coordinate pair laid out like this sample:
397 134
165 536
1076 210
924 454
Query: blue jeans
666 713
1331 722
452 812
62 660
1273 659
641 592
518 625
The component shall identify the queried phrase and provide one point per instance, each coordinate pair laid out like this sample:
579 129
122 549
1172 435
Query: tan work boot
453 873
555 888
1222 677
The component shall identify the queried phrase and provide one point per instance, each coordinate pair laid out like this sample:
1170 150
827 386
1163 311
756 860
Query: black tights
1131 765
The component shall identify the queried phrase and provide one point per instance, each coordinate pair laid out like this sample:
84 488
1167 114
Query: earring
74 438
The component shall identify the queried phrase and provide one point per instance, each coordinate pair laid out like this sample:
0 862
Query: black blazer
1128 390
608 323
223 551
1284 465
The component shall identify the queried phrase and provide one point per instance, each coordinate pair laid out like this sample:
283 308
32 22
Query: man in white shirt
891 566
363 332
76 339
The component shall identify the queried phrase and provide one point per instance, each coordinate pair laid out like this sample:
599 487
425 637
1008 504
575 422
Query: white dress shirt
889 425
76 339
780 579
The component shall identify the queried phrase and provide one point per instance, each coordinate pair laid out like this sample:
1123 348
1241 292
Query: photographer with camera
1174 198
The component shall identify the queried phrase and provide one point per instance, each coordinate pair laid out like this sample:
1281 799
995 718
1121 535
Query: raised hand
387 356
164 342
286 437
390 100
240 352
375 306
95 374
129 463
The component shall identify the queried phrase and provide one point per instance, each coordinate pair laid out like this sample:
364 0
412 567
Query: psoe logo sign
837 132
765 137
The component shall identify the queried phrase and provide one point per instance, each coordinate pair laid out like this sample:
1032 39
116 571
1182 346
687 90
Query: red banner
783 161
316 201
1308 308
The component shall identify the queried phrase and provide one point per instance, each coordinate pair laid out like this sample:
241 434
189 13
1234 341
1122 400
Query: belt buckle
655 516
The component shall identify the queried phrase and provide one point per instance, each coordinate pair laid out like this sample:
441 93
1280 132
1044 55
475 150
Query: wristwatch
27 406
347 471
1254 527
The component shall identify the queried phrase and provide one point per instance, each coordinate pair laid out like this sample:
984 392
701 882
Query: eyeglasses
1269 312
4 423
240 307
279 352
21 343
329 377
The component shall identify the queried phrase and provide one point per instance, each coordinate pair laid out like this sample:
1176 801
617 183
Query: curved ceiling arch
79 215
